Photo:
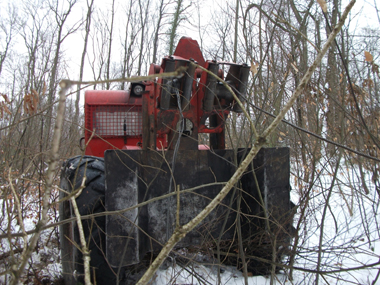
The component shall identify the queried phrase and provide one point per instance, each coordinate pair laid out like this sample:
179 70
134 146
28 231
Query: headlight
138 90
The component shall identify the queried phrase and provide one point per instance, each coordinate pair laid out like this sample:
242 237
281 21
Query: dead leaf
254 67
271 87
44 89
28 104
368 83
31 102
323 5
368 56
26 101
34 92
282 134
6 109
5 98
36 99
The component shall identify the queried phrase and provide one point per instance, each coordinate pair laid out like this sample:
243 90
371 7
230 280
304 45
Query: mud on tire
90 201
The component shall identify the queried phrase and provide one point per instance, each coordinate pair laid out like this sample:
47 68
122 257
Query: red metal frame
119 120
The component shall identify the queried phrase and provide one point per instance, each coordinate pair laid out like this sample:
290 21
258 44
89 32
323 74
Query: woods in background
332 129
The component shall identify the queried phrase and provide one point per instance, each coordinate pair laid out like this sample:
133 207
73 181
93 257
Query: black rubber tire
90 201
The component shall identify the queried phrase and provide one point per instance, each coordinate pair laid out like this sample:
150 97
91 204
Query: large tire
90 201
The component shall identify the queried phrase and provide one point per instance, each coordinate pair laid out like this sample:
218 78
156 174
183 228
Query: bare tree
90 9
332 128
162 6
60 18
131 32
178 17
110 37
143 8
8 27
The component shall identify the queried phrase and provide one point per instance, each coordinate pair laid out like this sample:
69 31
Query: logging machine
144 143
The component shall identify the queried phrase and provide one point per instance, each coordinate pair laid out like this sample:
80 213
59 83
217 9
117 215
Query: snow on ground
44 263
350 239
207 275
350 228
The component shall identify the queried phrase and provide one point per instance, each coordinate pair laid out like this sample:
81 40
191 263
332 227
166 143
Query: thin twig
85 251
178 206
19 212
182 231
359 153
53 163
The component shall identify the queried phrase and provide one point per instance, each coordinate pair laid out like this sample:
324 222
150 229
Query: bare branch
181 232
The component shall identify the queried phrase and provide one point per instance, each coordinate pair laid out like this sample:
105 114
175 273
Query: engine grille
109 121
